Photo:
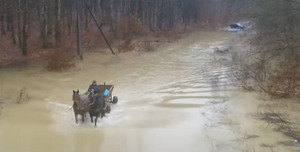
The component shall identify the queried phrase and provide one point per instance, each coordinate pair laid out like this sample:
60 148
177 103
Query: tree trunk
57 22
14 41
139 10
49 17
69 17
20 38
8 15
160 15
2 23
24 28
79 48
44 23
112 19
86 14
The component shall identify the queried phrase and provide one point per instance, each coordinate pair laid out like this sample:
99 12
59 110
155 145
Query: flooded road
171 100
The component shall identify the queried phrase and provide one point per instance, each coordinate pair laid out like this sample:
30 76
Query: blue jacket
94 87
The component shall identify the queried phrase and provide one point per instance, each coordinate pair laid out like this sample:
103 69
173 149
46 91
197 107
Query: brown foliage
130 26
126 46
93 39
147 46
144 46
166 36
62 58
286 82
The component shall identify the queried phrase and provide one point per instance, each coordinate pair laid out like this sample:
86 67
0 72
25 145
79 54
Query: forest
69 27
28 26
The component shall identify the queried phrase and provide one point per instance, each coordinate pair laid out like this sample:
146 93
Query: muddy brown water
179 98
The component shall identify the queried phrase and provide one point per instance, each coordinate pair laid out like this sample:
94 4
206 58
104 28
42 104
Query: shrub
126 46
130 26
61 59
93 39
23 95
166 36
147 46
285 82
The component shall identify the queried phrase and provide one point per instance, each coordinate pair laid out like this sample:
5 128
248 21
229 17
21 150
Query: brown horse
81 104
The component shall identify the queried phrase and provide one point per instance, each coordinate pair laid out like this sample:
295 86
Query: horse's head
76 96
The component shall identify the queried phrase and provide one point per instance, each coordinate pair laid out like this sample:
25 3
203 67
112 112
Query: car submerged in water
236 27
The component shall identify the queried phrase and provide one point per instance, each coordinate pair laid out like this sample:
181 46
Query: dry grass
166 36
277 120
285 83
23 95
61 58
143 46
281 83
130 26
93 39
280 123
147 46
126 46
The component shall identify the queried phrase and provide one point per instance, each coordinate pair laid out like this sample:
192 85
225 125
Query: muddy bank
145 43
259 122
256 134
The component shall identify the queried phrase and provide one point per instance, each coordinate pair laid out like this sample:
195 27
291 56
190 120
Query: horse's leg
96 121
83 115
76 119
102 114
91 117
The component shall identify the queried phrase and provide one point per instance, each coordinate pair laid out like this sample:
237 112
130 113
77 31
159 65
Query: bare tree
56 18
274 59
57 21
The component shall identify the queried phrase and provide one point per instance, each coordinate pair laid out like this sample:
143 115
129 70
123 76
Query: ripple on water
183 102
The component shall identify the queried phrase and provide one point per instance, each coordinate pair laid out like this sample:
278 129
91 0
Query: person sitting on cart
93 89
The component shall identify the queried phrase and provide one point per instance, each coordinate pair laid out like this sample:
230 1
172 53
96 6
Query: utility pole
79 47
99 27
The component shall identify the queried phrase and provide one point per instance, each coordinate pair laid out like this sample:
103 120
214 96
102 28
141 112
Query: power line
99 27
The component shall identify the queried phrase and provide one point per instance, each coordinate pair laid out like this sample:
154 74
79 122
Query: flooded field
179 98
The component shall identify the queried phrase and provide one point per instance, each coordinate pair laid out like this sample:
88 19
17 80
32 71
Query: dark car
236 26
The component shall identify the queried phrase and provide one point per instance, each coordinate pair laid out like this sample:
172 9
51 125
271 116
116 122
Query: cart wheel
107 110
115 99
